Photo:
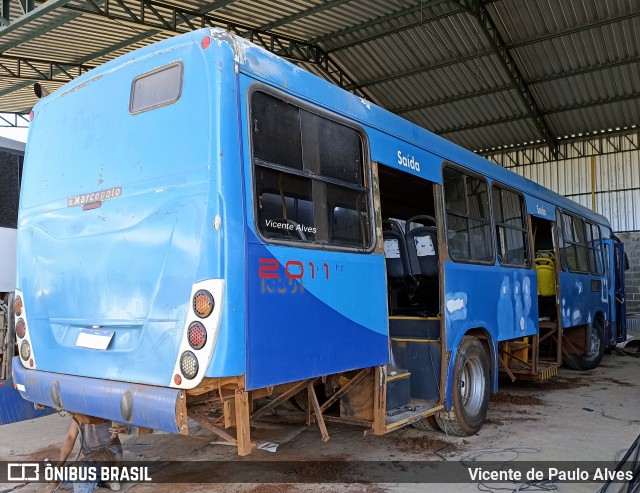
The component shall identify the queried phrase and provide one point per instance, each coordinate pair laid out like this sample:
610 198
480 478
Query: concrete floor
589 416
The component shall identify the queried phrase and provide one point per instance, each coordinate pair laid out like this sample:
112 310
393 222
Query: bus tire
430 423
470 392
592 359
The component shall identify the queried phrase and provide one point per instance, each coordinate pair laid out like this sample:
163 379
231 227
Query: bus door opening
410 237
547 260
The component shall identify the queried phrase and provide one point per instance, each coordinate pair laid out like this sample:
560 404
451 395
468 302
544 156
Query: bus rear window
157 88
309 175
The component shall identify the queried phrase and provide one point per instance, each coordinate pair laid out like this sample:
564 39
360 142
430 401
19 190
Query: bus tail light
197 335
189 365
203 303
21 328
17 306
24 342
25 350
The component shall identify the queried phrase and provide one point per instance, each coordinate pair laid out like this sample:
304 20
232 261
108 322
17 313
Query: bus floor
578 416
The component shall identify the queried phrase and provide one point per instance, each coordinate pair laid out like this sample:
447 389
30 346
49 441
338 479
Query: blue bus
207 228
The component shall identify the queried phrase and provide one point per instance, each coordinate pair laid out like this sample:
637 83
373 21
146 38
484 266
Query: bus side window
573 230
511 228
310 183
468 218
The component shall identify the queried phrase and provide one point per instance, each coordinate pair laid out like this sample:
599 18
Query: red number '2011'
293 269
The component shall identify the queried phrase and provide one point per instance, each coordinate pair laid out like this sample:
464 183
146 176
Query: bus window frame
565 262
466 171
595 227
525 221
367 172
177 63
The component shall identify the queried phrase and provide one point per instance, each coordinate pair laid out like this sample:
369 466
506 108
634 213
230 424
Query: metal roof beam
5 10
477 9
440 102
13 120
91 56
432 67
14 67
377 21
541 80
31 15
300 15
584 71
170 18
423 21
575 30
555 111
426 68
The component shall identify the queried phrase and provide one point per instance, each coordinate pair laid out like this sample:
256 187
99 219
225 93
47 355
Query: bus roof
268 67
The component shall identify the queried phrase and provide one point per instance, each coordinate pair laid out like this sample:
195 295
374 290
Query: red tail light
21 328
197 335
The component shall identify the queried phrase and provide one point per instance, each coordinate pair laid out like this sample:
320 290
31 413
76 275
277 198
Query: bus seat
395 251
348 226
422 246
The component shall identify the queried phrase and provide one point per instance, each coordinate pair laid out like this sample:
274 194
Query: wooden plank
243 426
506 369
204 421
413 418
313 399
380 400
229 411
348 421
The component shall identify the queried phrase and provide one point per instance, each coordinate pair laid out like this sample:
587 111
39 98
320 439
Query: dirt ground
581 416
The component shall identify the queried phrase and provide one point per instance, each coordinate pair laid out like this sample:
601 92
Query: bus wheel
430 423
592 359
470 392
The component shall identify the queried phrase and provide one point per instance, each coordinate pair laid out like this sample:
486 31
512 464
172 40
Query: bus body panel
505 301
331 319
504 304
581 297
311 311
127 266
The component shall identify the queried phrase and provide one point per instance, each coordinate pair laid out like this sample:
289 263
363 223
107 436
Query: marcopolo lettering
408 161
90 198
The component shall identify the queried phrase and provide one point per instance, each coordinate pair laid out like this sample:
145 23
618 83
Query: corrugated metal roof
575 63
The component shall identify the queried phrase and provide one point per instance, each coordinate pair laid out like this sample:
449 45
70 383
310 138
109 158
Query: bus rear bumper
158 408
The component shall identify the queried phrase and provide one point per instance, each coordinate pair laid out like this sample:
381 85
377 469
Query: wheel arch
488 341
